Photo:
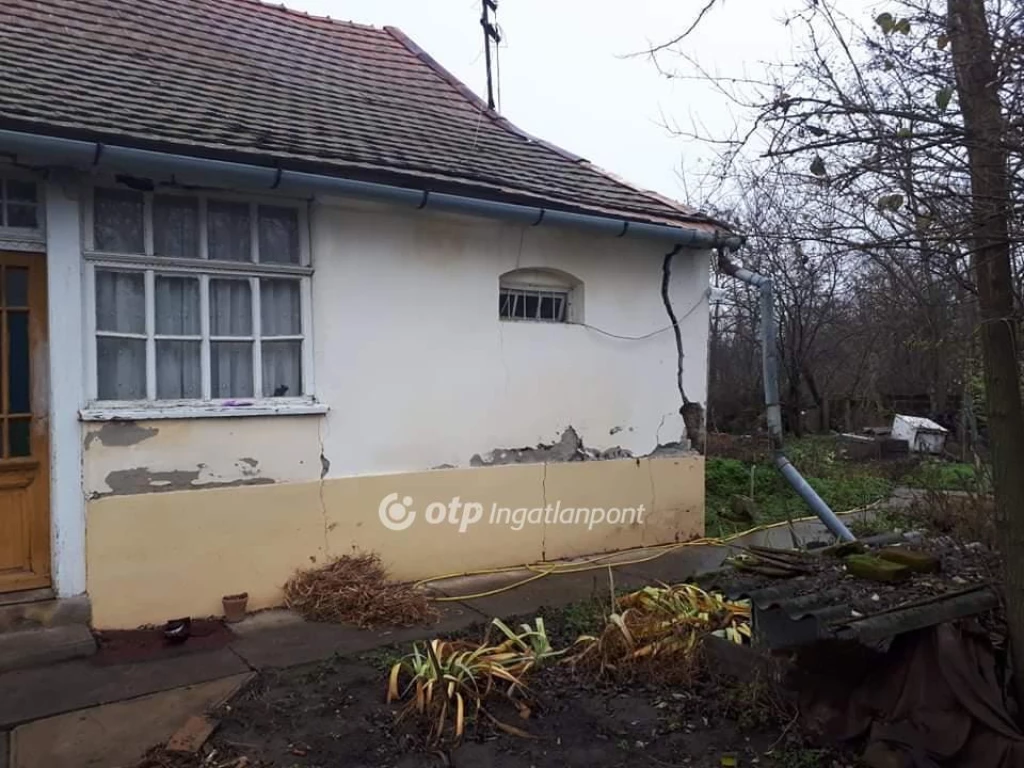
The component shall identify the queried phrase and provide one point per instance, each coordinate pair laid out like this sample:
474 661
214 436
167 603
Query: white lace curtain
121 346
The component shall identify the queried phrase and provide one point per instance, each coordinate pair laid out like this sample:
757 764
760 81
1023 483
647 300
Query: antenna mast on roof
491 34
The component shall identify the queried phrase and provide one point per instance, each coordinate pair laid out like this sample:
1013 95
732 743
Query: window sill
200 410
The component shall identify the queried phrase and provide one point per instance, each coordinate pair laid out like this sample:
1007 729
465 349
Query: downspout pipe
770 365
33 149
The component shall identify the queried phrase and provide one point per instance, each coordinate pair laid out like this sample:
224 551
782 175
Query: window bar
150 294
257 333
306 357
204 330
92 382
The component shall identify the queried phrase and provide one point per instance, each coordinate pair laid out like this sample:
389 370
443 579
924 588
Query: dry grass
356 590
656 633
966 516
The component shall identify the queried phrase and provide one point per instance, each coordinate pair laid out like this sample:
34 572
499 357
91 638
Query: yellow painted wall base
152 557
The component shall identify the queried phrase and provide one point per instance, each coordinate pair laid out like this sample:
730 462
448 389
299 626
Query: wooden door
24 434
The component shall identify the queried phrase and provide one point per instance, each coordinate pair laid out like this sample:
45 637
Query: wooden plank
192 735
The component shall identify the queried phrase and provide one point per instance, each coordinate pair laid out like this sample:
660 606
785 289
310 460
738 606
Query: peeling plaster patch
693 420
672 449
125 482
325 465
568 448
248 467
120 434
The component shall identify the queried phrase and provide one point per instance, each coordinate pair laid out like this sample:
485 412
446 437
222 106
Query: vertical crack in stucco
692 413
325 465
657 432
544 499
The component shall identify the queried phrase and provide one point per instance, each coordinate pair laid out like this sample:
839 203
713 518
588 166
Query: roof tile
240 77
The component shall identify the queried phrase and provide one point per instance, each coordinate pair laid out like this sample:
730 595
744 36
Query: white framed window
197 301
540 295
21 211
20 207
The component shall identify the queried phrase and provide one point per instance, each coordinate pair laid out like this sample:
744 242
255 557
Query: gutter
770 365
57 151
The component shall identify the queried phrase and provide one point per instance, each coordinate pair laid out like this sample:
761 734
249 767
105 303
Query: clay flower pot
234 606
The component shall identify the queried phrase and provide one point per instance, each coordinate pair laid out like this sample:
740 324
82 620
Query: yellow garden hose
542 569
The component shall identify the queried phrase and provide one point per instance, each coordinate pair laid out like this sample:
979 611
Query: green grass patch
843 485
946 476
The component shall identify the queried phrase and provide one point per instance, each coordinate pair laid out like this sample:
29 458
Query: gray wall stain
250 461
120 434
126 482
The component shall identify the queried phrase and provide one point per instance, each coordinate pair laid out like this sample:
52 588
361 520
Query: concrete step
39 609
38 647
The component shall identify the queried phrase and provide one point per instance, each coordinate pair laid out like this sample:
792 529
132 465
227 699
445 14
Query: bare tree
978 88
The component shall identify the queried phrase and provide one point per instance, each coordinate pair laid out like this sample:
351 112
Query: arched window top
540 295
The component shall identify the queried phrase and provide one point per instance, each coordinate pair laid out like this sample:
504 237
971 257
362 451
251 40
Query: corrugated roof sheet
240 79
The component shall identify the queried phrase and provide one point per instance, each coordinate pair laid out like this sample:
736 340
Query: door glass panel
18 436
16 287
18 362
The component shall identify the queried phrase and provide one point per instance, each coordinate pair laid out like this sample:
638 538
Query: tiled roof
239 79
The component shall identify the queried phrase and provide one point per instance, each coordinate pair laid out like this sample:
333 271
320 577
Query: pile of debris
867 590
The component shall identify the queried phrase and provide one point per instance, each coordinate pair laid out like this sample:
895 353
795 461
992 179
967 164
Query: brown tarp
934 699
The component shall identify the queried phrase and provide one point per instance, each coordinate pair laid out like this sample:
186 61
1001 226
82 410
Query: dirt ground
333 714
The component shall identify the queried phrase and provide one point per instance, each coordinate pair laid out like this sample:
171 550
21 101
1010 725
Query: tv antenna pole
491 34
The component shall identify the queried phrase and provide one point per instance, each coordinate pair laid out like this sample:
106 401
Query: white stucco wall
419 371
410 357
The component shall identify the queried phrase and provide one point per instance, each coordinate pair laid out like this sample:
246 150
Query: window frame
204 269
544 280
24 238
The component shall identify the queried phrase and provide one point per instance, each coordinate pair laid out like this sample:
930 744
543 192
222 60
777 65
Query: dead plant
446 682
658 631
355 589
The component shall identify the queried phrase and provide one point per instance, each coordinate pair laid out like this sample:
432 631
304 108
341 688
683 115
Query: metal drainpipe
770 366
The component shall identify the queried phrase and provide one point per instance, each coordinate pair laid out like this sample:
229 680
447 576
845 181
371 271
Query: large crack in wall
569 447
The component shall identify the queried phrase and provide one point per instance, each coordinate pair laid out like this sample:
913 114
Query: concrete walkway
150 695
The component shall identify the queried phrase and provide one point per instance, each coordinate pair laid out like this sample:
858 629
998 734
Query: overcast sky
566 76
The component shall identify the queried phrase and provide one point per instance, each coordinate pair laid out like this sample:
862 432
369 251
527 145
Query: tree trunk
978 92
